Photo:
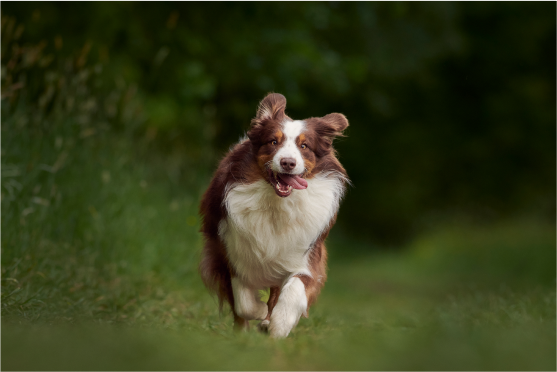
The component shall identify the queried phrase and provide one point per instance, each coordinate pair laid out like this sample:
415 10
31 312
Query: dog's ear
271 107
332 125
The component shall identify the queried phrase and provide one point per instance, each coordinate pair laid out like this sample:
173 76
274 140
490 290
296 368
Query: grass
117 289
100 246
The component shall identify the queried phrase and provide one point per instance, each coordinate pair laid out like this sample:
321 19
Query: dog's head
290 151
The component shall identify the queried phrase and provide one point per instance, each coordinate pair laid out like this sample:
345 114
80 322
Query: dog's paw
279 330
264 326
292 303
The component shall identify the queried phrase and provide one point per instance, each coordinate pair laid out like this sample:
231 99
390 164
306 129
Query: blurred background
115 115
452 106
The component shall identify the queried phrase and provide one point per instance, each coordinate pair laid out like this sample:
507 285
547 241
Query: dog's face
290 151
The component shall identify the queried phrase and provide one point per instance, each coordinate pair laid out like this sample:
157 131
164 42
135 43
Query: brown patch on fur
267 150
307 154
318 136
309 166
215 271
318 267
273 298
272 107
270 114
264 159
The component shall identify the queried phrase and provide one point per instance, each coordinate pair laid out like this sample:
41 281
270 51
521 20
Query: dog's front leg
247 304
292 303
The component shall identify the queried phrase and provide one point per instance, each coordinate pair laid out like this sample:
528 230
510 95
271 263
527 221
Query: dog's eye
304 146
274 142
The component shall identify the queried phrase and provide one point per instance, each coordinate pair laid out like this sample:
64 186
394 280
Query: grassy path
411 311
100 247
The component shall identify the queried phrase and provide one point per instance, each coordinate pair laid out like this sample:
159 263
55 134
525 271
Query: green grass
100 246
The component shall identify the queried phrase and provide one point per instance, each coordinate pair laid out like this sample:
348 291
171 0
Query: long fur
268 238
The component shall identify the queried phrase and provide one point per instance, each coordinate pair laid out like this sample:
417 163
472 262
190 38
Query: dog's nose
288 164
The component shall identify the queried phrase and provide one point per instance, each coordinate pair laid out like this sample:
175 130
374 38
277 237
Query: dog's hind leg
240 324
247 304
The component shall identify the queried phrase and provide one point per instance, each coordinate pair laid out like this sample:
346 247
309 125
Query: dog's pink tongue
296 182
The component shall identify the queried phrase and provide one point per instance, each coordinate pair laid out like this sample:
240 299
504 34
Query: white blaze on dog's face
289 153
283 158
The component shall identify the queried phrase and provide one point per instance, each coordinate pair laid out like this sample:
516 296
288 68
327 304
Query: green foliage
80 206
447 101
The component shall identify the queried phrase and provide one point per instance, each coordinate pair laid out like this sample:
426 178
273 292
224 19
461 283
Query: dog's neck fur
268 236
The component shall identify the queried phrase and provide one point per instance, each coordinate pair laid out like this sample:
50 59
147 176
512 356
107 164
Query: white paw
264 326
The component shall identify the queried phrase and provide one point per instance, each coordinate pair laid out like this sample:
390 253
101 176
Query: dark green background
451 105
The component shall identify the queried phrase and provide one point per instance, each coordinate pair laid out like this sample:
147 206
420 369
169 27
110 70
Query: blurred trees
451 105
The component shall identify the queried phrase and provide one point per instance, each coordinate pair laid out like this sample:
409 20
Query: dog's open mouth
284 183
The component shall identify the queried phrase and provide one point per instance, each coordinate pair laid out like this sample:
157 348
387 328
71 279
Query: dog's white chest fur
268 237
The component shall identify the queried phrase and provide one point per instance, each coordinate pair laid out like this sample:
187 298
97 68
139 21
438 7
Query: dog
266 215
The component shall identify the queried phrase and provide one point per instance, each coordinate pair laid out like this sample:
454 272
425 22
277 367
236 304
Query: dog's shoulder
231 169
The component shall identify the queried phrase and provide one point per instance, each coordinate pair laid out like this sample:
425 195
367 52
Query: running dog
266 214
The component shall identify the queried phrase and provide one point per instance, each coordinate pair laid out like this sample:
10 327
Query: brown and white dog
266 214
